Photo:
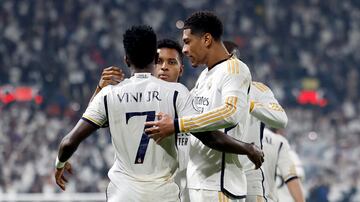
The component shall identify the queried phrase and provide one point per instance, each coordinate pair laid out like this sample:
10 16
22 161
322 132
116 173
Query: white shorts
168 192
200 195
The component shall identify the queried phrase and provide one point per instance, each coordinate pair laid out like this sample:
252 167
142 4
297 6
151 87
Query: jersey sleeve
285 163
95 113
234 90
265 107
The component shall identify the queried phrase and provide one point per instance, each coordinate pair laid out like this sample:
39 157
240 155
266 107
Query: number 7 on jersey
144 142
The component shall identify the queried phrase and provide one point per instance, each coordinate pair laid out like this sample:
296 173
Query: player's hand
111 76
158 130
256 155
59 175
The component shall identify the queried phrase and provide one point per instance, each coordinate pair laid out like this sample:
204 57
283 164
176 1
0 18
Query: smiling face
194 47
168 65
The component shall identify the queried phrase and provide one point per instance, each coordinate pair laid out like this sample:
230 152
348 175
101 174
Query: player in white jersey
221 96
169 67
143 171
277 156
264 110
291 190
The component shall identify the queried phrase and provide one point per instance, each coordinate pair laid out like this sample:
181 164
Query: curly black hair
169 43
140 45
205 22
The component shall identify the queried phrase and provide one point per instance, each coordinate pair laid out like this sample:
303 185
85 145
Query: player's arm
295 189
234 90
220 141
288 171
110 76
265 107
94 117
68 146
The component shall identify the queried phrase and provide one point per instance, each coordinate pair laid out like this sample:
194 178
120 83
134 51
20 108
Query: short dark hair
140 45
169 43
205 22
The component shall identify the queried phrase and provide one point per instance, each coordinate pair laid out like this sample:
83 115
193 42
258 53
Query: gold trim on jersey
93 120
292 172
187 124
233 66
276 107
222 197
252 105
262 87
257 105
259 199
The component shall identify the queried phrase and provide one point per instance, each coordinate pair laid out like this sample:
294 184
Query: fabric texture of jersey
277 155
126 107
221 96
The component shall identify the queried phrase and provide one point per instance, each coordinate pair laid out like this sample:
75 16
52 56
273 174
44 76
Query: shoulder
234 66
111 88
283 140
260 86
180 88
172 86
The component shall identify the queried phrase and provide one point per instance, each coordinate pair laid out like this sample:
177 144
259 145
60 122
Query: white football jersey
283 192
264 110
127 106
277 155
221 95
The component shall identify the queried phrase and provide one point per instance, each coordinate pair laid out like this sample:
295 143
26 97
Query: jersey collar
221 61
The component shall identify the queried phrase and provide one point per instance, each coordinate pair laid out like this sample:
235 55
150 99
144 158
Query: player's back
126 107
130 105
143 170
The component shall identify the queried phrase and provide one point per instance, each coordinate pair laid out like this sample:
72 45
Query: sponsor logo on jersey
200 102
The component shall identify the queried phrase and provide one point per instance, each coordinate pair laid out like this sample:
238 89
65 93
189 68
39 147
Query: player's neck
147 69
217 54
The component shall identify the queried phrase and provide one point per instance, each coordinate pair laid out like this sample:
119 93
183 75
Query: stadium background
52 54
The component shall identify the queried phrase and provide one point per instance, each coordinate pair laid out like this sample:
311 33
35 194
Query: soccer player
221 96
169 62
264 110
293 188
143 170
277 156
169 67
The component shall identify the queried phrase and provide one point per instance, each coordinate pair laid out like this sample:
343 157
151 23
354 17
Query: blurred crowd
61 47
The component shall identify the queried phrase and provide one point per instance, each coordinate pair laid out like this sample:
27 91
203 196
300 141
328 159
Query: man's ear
208 39
127 61
181 70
